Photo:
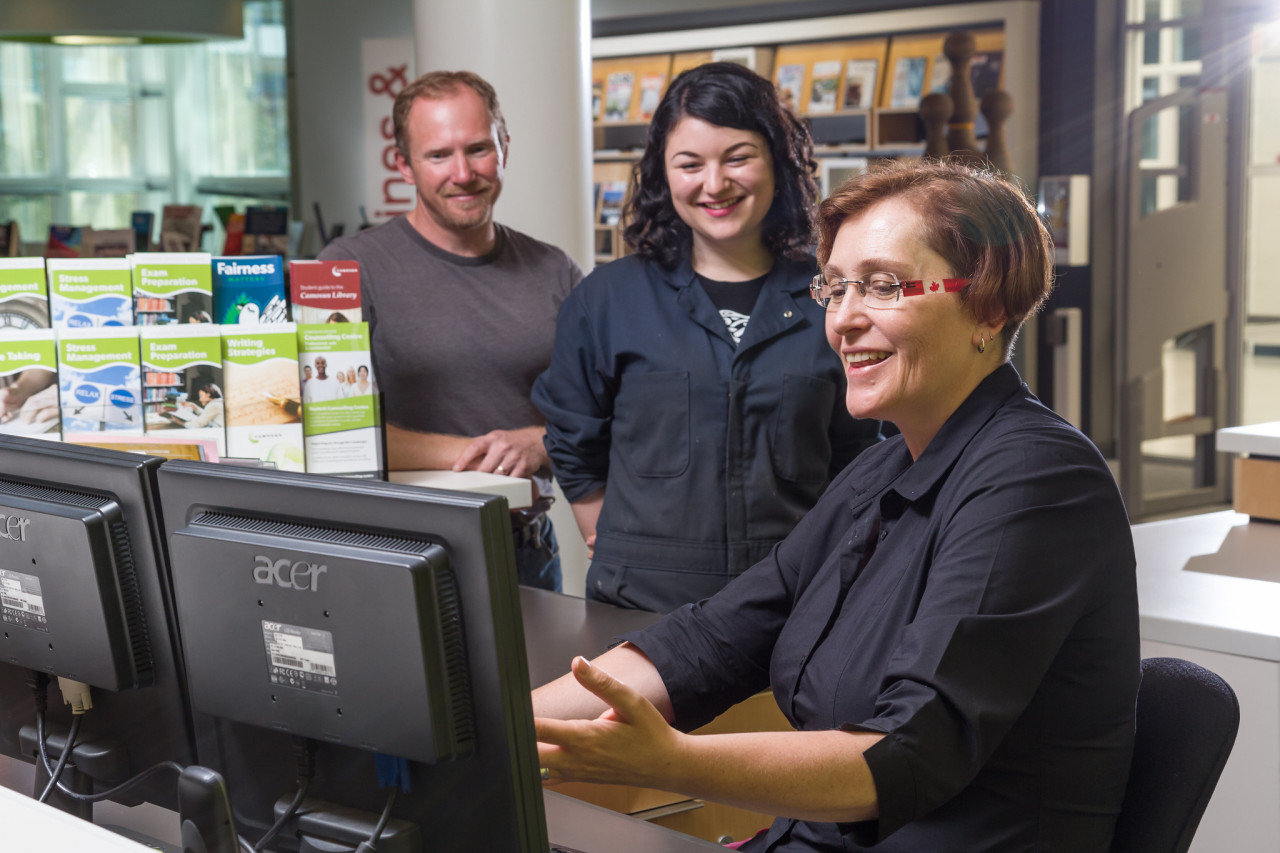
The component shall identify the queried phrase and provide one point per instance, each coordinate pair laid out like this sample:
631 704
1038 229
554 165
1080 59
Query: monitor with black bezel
344 633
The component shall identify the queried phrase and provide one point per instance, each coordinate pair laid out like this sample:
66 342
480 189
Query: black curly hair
726 95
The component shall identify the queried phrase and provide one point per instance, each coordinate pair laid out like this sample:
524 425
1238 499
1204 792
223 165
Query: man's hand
516 452
40 406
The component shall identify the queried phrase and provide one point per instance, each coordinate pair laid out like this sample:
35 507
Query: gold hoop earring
982 345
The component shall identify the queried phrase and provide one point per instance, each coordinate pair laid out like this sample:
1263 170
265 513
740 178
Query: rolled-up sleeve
575 394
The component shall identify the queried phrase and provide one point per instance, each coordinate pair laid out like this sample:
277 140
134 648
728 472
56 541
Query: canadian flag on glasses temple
948 285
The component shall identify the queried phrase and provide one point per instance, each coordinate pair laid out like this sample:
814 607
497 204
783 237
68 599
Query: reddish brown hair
443 84
980 223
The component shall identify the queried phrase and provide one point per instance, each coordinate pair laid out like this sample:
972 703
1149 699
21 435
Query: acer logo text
13 527
287 573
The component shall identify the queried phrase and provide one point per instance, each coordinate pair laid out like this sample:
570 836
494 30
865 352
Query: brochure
88 293
172 287
182 382
248 290
100 381
324 291
29 384
340 400
263 399
24 294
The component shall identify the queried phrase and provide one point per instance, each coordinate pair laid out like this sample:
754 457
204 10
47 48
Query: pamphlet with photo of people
341 412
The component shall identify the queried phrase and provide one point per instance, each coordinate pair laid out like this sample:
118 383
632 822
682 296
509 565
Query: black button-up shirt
977 605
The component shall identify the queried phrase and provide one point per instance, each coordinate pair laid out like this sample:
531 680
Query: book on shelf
597 99
824 91
266 230
142 222
860 83
182 381
24 294
613 195
10 239
263 399
107 243
180 228
651 88
340 412
324 291
100 380
617 98
172 287
65 241
248 290
29 384
908 82
790 85
89 292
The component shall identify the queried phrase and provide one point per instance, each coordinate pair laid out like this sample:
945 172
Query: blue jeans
538 555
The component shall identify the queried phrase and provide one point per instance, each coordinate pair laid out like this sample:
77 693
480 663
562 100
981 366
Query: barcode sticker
300 657
21 600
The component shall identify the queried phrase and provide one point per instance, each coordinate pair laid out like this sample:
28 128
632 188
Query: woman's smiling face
721 180
913 363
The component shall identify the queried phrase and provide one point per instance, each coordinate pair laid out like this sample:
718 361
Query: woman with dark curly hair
692 405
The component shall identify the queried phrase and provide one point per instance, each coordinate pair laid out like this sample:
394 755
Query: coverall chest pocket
801 444
651 423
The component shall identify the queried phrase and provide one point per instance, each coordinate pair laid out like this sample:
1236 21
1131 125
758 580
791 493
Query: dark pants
537 554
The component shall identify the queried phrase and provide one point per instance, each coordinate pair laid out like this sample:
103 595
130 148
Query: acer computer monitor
346 619
84 596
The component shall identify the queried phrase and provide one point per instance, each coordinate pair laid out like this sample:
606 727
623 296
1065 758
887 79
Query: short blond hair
443 84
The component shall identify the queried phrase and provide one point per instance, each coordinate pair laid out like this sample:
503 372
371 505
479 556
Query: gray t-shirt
458 341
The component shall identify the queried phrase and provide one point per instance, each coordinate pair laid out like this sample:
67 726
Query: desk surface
558 627
591 829
517 490
1211 582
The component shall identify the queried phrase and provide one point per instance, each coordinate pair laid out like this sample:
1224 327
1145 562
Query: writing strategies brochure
248 290
87 293
182 382
24 294
340 412
262 394
172 287
29 383
99 381
325 291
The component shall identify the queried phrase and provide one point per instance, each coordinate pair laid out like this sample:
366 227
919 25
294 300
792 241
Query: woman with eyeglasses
693 408
953 629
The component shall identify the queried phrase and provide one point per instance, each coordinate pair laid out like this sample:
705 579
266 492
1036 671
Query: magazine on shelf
182 381
89 292
29 384
180 228
110 243
248 290
100 380
65 241
617 99
825 90
324 291
24 294
651 87
340 412
263 400
613 195
10 239
142 221
266 230
172 287
860 84
790 85
908 82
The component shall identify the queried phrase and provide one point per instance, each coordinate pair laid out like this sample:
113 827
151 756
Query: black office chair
1187 722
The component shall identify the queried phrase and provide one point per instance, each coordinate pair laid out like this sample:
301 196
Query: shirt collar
959 429
780 278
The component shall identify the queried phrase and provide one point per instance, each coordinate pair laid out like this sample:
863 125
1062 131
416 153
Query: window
90 134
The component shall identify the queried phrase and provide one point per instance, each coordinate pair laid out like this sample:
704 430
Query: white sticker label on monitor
21 602
300 657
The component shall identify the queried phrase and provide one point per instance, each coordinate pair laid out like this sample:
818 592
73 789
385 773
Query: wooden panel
685 61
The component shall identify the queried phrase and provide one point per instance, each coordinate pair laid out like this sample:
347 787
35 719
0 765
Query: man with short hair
461 309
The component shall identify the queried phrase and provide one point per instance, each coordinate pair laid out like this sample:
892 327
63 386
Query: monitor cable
304 751
370 844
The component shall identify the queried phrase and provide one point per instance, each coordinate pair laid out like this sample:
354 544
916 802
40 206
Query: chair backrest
1187 719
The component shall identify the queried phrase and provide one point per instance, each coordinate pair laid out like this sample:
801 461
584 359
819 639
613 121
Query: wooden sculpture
961 141
997 105
935 111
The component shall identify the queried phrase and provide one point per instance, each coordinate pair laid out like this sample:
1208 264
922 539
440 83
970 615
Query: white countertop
1211 582
1258 439
29 825
517 490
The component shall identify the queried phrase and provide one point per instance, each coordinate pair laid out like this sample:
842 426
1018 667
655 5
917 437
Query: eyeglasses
879 289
